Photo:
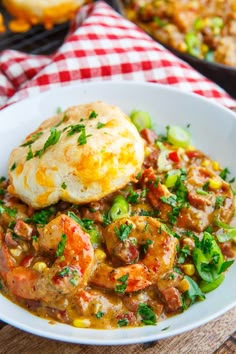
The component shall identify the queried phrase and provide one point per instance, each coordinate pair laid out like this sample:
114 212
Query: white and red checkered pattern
101 45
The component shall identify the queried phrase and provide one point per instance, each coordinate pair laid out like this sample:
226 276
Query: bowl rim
125 339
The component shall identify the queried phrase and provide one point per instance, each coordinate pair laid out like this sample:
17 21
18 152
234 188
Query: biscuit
78 156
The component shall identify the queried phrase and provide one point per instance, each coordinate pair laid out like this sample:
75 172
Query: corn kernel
205 163
214 183
182 47
81 322
184 286
188 269
40 266
16 252
215 165
190 148
204 48
100 254
147 151
25 247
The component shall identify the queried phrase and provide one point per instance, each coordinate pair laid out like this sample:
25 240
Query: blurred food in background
2 26
27 13
205 29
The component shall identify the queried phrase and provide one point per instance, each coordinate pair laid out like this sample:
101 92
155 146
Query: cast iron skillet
223 75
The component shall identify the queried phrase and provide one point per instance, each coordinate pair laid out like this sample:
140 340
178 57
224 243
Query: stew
142 253
205 29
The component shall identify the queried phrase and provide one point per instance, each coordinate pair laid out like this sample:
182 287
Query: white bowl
213 130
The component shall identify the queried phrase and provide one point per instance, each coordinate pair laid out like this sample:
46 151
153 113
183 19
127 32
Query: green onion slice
119 208
141 120
171 178
178 136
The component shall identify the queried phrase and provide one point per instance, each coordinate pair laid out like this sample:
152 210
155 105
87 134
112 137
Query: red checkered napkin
101 45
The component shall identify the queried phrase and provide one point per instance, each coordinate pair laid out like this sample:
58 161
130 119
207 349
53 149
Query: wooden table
218 337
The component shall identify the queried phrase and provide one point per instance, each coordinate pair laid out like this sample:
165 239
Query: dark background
41 41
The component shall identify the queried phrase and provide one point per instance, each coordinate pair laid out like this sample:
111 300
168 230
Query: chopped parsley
132 197
100 125
146 245
148 212
120 288
13 166
75 279
124 231
178 199
41 217
123 322
171 276
205 186
159 21
166 229
82 139
183 254
72 129
177 270
138 176
9 211
224 173
2 179
34 137
51 140
64 272
74 217
165 328
99 314
144 193
106 219
147 315
2 191
219 201
156 182
35 238
88 226
61 246
63 185
30 154
92 115
176 203
193 293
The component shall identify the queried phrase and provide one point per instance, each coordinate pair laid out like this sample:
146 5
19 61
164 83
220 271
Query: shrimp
155 250
203 208
6 261
130 278
74 259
